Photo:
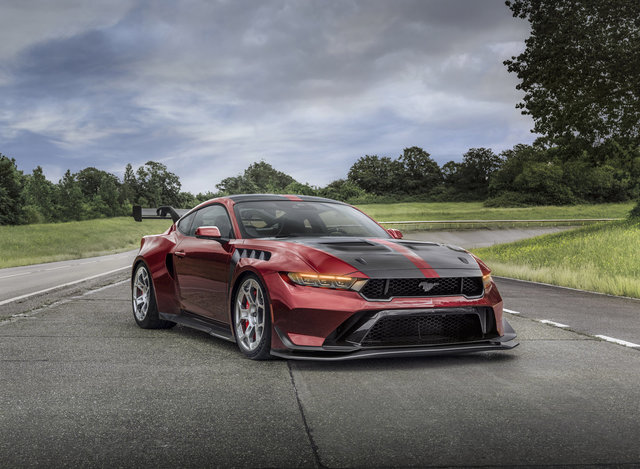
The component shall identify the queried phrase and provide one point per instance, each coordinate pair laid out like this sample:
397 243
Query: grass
35 244
604 258
476 211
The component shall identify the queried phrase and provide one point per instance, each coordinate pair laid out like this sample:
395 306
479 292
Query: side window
185 223
212 215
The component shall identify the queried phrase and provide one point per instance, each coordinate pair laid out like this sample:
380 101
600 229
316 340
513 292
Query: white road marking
56 268
618 341
563 326
21 297
553 323
91 292
16 275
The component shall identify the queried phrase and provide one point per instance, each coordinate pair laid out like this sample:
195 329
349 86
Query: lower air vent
422 330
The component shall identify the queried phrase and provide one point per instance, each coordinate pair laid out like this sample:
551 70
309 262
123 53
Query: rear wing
165 211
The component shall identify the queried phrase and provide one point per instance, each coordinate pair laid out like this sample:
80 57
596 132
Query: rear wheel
145 309
252 319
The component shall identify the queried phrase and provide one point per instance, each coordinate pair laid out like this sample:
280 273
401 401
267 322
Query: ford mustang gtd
311 278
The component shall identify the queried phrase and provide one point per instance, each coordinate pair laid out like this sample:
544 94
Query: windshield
284 219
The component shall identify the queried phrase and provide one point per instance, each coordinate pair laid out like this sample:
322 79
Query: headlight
339 282
486 281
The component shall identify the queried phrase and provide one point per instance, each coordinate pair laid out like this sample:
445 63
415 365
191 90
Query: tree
100 191
475 171
129 187
70 198
342 189
416 172
375 174
11 192
157 185
40 196
451 174
259 177
579 70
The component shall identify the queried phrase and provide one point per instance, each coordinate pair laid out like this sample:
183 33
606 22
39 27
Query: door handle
180 253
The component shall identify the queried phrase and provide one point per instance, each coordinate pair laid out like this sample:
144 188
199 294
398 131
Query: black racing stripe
443 258
377 260
368 257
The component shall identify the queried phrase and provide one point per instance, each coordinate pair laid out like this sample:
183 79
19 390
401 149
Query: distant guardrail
416 225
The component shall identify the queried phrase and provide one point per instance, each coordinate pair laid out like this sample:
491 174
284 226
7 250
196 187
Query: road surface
82 385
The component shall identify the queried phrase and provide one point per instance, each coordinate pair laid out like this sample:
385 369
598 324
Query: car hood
389 258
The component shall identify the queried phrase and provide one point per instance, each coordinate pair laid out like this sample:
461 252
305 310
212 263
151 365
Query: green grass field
604 258
476 211
34 244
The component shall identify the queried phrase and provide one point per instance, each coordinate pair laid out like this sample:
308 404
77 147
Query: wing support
162 212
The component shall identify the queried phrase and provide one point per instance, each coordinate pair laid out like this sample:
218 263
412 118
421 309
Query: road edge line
22 297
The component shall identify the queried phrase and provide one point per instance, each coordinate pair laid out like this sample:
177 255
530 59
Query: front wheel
145 309
252 319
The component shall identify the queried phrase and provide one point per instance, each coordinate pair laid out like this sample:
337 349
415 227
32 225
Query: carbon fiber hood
390 258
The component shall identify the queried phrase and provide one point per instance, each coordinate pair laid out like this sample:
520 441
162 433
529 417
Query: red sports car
312 278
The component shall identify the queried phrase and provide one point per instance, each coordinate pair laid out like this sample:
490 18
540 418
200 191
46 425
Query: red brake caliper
255 293
245 324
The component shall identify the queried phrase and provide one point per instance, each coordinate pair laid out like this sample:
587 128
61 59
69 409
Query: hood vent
355 245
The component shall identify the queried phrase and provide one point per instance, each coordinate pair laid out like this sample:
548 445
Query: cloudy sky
208 87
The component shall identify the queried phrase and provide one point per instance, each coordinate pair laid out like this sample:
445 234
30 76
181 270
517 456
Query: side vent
168 261
254 254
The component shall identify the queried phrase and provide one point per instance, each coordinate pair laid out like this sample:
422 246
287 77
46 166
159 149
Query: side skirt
214 328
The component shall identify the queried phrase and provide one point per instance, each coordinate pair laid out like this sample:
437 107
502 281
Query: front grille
383 289
424 329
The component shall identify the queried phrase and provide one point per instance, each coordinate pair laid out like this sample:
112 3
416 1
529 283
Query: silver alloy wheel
249 315
141 293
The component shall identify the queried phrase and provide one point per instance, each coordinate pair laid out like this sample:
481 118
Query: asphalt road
18 283
82 385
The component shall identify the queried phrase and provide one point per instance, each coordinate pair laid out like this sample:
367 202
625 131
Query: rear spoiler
140 213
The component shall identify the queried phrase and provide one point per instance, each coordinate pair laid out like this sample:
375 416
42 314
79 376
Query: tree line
524 175
89 193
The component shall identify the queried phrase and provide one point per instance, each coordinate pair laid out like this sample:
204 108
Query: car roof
239 198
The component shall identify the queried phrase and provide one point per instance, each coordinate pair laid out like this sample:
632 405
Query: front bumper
321 324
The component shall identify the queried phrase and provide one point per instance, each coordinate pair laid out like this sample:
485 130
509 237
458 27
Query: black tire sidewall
151 320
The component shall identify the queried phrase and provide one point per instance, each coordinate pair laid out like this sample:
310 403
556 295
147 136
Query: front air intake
384 289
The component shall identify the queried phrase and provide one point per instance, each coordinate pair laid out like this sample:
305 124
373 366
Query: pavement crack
314 447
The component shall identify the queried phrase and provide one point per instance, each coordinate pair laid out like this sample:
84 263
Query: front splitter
394 352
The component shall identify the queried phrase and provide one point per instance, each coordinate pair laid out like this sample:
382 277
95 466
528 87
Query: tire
252 319
145 309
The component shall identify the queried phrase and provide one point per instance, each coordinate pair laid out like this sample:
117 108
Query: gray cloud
208 87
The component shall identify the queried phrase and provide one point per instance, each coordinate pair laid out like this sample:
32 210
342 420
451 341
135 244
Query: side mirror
208 232
395 234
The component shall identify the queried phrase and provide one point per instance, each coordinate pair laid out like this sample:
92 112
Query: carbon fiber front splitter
506 342
393 352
